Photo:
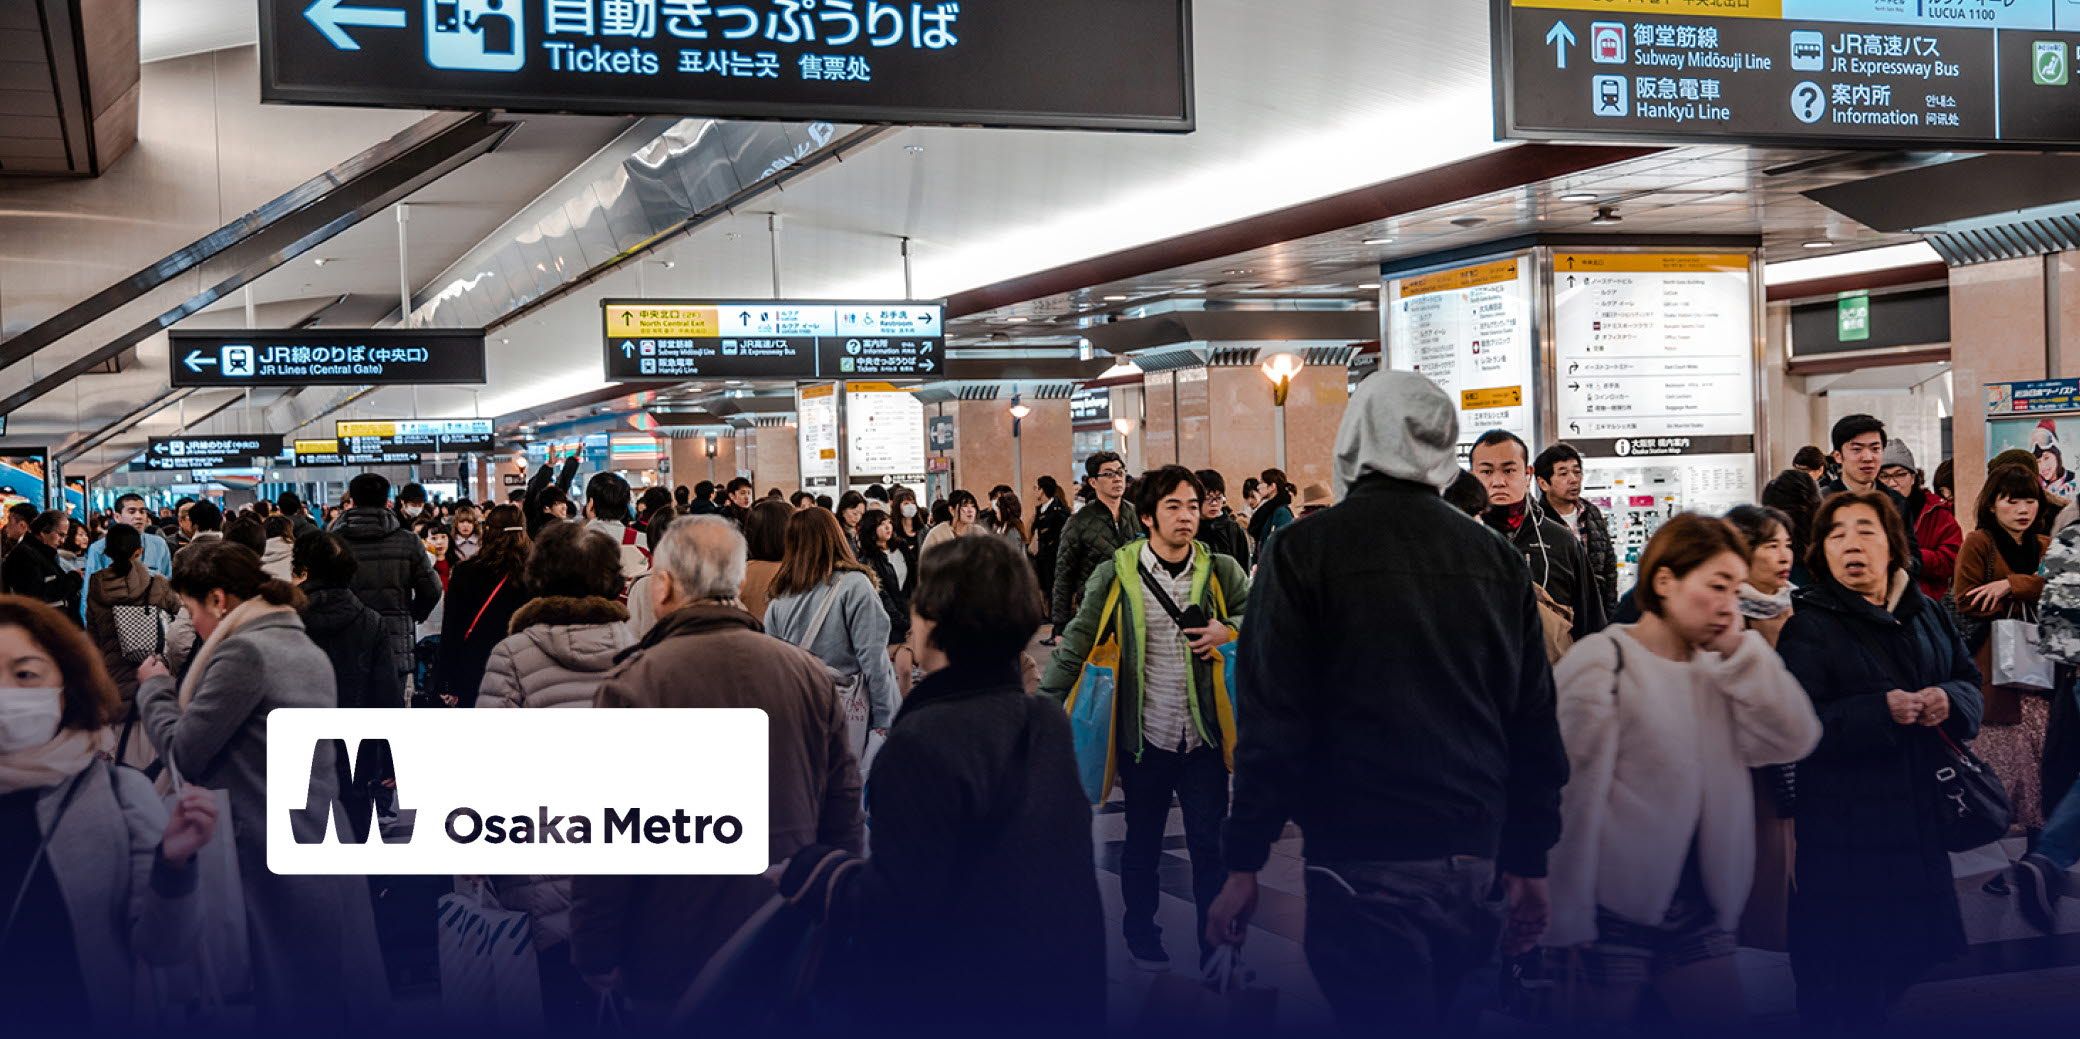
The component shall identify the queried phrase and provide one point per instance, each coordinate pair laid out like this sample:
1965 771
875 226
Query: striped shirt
1166 716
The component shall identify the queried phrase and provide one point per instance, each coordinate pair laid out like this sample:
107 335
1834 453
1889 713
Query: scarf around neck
246 613
66 755
2023 557
1506 518
1756 606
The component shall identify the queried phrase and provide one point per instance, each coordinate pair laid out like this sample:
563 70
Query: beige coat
1657 762
558 652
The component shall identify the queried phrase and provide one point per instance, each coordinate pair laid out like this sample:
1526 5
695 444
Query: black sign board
1091 407
1845 73
1076 64
432 436
333 451
1918 317
675 340
329 357
175 454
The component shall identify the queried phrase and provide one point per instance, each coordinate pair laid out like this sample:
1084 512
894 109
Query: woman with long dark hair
895 569
313 938
1275 510
1998 577
765 540
483 594
908 518
1049 517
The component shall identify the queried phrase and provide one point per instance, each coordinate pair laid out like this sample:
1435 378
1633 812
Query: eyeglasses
1112 474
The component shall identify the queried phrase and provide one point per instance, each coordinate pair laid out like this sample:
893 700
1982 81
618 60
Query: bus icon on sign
1607 43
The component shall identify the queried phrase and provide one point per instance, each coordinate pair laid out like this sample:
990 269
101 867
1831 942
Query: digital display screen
434 436
1067 64
333 357
675 340
176 454
1881 73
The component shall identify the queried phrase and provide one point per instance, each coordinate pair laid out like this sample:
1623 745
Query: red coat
1940 537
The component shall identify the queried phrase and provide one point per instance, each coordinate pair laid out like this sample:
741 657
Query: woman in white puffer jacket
1663 720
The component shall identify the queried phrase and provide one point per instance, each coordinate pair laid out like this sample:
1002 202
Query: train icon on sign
1610 96
1607 43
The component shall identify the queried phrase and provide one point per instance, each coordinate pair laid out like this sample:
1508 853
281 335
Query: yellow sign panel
828 454
367 429
873 387
1648 263
317 447
639 322
820 390
1494 397
1462 278
1708 8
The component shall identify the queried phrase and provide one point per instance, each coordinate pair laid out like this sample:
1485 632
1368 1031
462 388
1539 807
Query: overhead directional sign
329 357
1080 64
674 340
333 451
1877 73
170 454
432 436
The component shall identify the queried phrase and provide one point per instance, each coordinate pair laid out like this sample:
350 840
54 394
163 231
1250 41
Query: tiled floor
2012 973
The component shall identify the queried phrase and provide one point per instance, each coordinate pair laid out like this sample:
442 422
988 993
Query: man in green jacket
1096 531
1173 604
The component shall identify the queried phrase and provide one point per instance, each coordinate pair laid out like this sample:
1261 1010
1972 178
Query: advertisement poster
2044 437
817 410
1469 330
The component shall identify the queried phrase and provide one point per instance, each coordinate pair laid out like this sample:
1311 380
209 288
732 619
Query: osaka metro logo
351 804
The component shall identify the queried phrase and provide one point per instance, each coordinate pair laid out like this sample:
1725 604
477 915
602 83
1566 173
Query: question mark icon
1808 102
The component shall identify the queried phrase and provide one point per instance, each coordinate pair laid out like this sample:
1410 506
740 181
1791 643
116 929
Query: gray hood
1398 424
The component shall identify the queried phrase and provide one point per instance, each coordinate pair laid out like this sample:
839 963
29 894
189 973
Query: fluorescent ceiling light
1580 196
1379 241
1840 265
1121 368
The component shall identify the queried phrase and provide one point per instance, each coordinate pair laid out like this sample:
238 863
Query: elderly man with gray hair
648 937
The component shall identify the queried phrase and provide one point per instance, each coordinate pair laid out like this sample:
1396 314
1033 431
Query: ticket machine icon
476 35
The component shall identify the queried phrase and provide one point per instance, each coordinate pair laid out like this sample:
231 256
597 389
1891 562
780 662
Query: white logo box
601 765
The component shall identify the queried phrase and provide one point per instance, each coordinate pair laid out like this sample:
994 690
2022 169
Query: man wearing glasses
1092 535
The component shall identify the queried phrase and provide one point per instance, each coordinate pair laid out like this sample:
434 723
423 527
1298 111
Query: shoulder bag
140 631
1972 808
852 689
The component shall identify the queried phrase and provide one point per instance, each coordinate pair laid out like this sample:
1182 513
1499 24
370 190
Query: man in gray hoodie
1399 707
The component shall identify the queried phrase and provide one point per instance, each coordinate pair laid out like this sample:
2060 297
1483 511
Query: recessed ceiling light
1580 196
914 149
669 264
1379 241
508 340
1370 285
1236 272
1016 320
1819 243
1116 299
322 260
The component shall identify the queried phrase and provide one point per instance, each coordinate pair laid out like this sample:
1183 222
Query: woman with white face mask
95 879
313 939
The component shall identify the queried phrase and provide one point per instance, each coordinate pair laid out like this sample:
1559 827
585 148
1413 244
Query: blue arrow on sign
1559 36
197 361
330 16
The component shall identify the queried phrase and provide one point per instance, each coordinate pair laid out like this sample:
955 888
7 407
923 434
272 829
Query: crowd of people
1490 746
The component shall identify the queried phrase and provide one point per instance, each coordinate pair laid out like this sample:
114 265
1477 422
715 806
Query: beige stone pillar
779 456
1997 334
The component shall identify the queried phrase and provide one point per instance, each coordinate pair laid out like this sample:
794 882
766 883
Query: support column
779 459
1997 329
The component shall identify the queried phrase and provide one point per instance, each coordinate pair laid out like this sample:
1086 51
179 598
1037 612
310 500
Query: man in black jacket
1559 564
392 574
1397 704
1218 530
1559 473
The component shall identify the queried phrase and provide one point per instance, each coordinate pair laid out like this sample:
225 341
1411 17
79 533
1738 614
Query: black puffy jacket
394 576
34 570
1091 536
352 637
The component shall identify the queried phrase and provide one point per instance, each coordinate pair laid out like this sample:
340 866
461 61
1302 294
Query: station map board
1843 73
676 340
885 436
1655 385
1063 64
1470 330
816 414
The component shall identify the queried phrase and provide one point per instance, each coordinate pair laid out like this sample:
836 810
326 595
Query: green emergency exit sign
1853 318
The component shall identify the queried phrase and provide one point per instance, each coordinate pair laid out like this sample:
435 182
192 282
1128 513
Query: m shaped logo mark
350 801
